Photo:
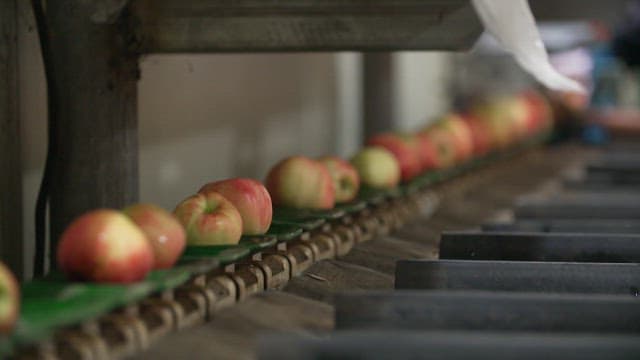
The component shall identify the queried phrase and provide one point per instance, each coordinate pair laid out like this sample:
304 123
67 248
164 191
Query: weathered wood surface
11 249
305 25
96 164
306 305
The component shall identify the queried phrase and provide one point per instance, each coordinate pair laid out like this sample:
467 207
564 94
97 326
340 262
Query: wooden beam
11 245
305 25
96 162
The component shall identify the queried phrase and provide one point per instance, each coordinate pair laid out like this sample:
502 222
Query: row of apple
108 245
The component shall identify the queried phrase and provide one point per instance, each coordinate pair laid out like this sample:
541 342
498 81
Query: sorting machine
62 319
559 280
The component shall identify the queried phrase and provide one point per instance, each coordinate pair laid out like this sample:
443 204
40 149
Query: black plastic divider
569 247
493 311
579 210
597 226
450 345
519 276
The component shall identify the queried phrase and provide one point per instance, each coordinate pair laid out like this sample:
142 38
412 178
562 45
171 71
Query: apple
346 180
251 199
104 246
404 148
210 219
540 113
9 300
480 134
505 118
377 167
165 234
428 153
444 143
301 182
461 133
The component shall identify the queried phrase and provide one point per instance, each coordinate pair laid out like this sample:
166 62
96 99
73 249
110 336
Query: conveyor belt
306 306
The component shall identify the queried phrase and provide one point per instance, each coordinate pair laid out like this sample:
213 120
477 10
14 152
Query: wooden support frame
95 75
94 54
11 247
170 26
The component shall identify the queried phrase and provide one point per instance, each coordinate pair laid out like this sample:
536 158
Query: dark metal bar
593 186
377 97
603 10
96 95
11 244
522 276
169 26
449 345
497 311
540 247
612 178
597 226
580 209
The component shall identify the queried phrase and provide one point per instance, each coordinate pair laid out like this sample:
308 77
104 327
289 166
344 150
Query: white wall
208 117
421 88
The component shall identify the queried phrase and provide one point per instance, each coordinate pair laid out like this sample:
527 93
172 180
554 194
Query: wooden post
378 97
95 73
11 249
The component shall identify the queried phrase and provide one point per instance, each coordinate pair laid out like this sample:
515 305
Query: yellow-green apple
9 300
210 219
251 199
444 143
301 182
404 148
461 134
104 246
163 230
346 180
504 117
479 134
377 167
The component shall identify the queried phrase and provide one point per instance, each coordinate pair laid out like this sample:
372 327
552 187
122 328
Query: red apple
346 180
480 135
210 219
251 199
428 153
301 182
165 234
377 167
9 300
404 148
540 113
445 144
104 246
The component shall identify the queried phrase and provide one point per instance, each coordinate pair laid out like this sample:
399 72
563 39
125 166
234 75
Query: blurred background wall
208 117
